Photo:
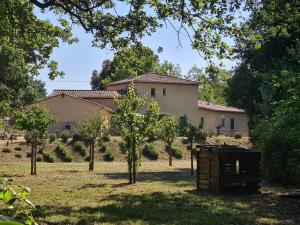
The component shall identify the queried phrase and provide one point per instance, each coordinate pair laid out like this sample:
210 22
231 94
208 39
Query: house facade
175 96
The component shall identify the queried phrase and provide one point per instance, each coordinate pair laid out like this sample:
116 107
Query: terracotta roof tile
87 93
154 78
219 108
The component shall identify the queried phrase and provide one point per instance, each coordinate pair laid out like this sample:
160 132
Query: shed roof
218 108
154 78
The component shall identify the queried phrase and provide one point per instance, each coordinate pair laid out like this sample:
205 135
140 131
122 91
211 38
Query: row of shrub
108 153
66 135
150 152
64 153
80 147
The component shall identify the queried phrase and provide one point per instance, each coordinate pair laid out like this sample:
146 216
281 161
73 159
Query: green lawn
66 193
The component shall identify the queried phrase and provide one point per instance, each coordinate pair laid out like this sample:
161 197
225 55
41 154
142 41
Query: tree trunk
34 159
129 160
140 157
170 155
192 158
32 156
134 162
91 166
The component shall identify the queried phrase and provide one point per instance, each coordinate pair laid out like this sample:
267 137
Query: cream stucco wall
109 102
67 109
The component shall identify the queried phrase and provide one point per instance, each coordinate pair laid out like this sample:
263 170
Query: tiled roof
87 93
154 78
218 108
76 97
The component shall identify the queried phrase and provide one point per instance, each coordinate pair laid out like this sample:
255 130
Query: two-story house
175 96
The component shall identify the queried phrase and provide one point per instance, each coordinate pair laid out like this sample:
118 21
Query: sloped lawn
69 194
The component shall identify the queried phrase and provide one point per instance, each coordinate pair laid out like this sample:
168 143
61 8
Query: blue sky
80 59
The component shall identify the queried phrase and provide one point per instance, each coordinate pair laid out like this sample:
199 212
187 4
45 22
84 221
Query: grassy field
69 194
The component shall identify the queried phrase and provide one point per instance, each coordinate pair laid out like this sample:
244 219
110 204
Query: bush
77 137
176 152
65 135
18 155
150 152
103 148
64 153
39 159
28 154
185 141
27 138
80 147
106 137
122 147
6 150
237 135
52 137
87 159
18 148
48 157
183 124
109 155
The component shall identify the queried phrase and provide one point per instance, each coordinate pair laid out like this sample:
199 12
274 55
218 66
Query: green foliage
39 159
176 152
64 153
103 148
48 157
18 208
18 155
52 138
80 147
277 137
237 135
183 124
65 136
6 150
150 152
134 126
18 148
109 155
167 129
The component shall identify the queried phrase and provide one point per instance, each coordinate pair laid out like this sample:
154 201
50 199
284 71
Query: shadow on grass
174 208
180 176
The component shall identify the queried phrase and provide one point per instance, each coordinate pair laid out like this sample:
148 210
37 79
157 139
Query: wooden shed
228 168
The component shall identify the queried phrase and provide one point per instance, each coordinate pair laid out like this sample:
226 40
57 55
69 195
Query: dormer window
153 92
164 92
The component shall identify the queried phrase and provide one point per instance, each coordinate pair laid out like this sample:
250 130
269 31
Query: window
68 127
202 120
232 124
164 92
153 92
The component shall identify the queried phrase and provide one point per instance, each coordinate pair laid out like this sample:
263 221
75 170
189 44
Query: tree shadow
177 208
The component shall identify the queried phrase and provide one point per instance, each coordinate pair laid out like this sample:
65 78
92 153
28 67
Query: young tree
183 124
167 129
134 126
193 134
35 122
93 129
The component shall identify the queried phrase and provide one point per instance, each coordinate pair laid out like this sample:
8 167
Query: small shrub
28 154
65 136
237 135
106 137
52 137
39 159
103 148
150 152
18 148
64 153
48 157
109 155
87 158
6 150
80 147
185 141
7 143
77 137
176 152
18 155
27 138
122 147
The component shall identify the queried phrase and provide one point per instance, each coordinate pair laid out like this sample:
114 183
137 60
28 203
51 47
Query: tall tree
92 129
35 122
134 126
266 83
212 83
167 127
169 69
